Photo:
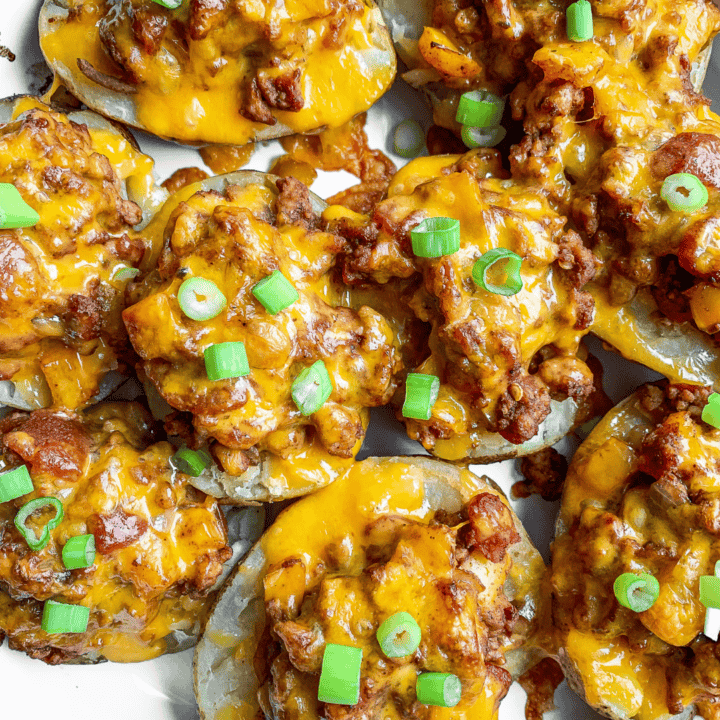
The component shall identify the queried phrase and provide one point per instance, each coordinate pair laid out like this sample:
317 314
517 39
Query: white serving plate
161 689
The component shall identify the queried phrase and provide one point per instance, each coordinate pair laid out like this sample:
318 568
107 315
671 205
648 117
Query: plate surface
162 689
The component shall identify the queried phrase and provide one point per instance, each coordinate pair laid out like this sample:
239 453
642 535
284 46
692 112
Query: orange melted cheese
196 96
134 592
339 516
72 252
615 523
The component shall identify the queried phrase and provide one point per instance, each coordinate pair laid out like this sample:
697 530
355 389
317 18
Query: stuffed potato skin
161 543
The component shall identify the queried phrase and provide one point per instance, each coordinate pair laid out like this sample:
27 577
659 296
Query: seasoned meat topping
160 543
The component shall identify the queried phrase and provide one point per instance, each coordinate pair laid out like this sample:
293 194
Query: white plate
162 689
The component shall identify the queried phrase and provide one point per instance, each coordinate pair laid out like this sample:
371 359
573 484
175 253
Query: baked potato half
392 534
220 72
641 495
60 300
161 547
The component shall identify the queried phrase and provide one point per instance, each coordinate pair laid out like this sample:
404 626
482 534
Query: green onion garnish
14 211
399 635
311 388
79 552
711 412
482 267
191 462
421 392
638 592
15 483
438 689
408 139
482 137
683 192
340 675
201 299
710 591
275 292
480 109
33 541
226 360
435 237
579 21
170 4
126 273
63 618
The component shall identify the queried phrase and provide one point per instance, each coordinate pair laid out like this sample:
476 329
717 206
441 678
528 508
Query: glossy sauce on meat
160 542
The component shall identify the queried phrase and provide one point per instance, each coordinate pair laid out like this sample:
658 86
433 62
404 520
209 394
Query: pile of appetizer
184 365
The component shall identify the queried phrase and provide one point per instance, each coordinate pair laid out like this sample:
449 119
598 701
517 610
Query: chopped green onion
408 138
636 592
14 211
126 273
63 618
201 299
482 137
710 591
15 483
683 192
711 412
340 675
435 237
579 21
170 4
717 568
312 388
438 689
191 462
712 623
421 392
79 552
275 292
399 635
480 109
33 541
513 282
226 360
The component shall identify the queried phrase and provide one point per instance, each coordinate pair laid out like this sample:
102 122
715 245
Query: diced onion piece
421 393
399 635
637 592
408 139
226 360
683 192
79 552
710 591
201 299
435 237
191 462
15 483
311 388
63 618
438 689
14 211
513 282
482 137
340 675
39 542
579 21
480 109
712 623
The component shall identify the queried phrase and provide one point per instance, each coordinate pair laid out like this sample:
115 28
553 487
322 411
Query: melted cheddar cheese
160 542
222 72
